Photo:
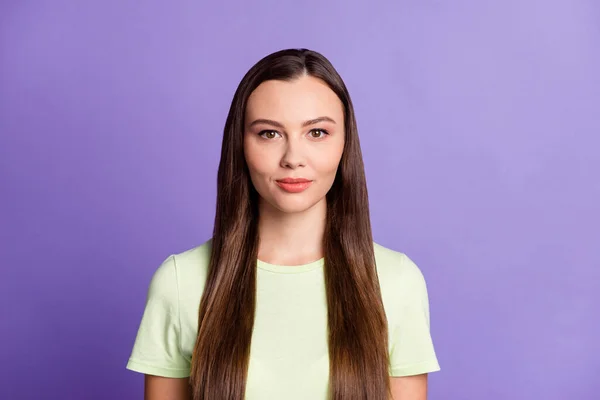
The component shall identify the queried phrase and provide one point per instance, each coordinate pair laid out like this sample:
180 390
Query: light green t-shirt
289 352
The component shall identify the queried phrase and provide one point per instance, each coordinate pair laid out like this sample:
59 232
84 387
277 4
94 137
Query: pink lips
293 185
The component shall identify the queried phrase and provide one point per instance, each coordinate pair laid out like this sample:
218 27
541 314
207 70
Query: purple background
480 128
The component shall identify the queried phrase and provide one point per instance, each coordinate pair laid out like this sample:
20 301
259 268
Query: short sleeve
157 349
412 352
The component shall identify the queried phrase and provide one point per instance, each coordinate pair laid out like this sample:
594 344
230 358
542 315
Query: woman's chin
293 205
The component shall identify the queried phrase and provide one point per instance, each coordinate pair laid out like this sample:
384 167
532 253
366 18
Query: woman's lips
294 185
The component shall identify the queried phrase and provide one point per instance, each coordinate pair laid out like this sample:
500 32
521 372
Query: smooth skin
292 129
160 388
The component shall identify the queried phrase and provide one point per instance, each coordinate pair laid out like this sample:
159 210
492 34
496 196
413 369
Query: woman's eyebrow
279 125
266 122
317 120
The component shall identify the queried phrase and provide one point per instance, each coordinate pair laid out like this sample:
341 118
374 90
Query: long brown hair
358 341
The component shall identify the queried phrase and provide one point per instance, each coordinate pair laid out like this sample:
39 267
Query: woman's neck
291 238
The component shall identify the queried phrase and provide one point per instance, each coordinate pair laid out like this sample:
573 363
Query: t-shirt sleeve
157 346
412 352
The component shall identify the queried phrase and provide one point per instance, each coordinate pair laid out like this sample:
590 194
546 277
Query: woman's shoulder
394 262
398 274
193 260
181 272
191 267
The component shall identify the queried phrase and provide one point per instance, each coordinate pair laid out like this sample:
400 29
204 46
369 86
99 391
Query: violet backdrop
479 123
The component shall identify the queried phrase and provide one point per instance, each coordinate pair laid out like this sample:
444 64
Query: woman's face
294 130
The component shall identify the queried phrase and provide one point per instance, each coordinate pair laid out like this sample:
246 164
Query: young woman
290 298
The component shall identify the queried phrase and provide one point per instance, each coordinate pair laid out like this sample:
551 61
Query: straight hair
357 324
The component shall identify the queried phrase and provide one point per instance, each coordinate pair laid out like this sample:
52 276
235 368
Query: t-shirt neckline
290 269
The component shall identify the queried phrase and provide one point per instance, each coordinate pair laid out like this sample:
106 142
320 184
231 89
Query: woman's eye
318 133
268 134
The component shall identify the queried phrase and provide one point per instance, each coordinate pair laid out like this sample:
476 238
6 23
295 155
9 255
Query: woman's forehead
294 101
